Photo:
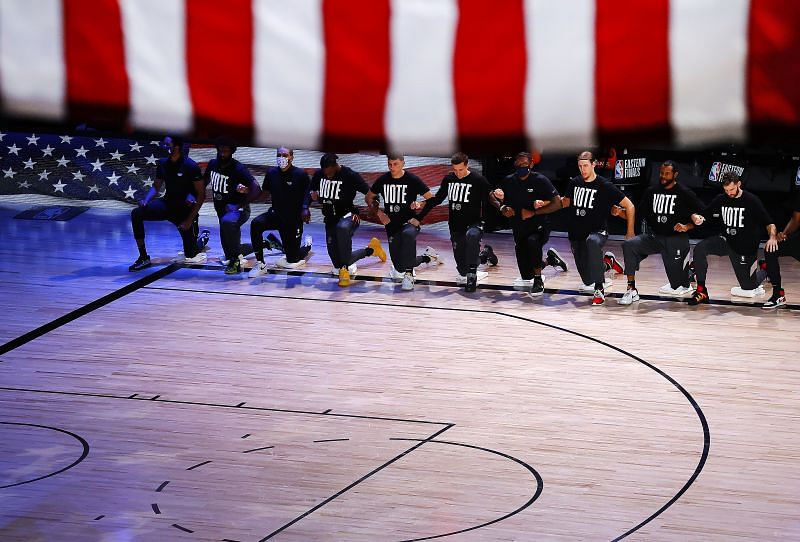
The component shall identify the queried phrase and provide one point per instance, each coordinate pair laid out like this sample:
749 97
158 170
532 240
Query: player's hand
382 217
616 210
682 228
356 219
526 214
781 237
499 194
414 222
630 235
143 202
539 203
507 211
242 189
698 219
771 245
416 205
305 214
314 196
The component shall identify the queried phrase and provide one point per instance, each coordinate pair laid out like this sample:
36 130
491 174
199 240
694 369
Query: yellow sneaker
377 249
344 277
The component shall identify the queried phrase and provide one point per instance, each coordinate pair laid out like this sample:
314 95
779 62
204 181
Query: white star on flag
151 160
47 151
62 161
33 140
135 147
24 184
130 192
154 142
59 186
2 135
78 176
13 149
113 178
81 151
29 164
94 188
9 173
116 155
100 142
133 169
66 139
44 175
97 165
148 183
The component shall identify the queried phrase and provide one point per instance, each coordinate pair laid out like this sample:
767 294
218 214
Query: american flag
95 167
420 76
82 167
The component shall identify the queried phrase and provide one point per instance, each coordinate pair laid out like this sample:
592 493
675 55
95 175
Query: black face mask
523 171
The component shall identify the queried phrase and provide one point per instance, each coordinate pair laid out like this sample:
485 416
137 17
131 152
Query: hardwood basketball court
181 404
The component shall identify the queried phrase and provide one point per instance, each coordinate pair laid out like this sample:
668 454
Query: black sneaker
472 281
537 287
690 273
234 267
273 243
202 239
487 255
141 262
777 300
554 259
698 297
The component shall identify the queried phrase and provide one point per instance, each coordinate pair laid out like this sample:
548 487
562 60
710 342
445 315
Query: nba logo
713 175
619 172
797 178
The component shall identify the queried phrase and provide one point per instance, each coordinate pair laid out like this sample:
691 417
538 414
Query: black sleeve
615 194
305 184
714 206
359 182
160 170
315 181
761 212
377 186
437 199
547 189
693 203
422 188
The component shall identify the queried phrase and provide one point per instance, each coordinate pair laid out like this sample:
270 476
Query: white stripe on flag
288 72
708 55
32 78
420 109
155 59
559 93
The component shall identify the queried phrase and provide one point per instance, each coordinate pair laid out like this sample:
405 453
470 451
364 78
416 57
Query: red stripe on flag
489 72
97 83
219 45
632 84
773 70
357 67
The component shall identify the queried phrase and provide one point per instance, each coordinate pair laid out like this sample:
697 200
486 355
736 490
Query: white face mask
283 162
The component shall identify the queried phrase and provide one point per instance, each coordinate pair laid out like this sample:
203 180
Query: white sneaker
586 288
352 269
283 264
179 258
629 297
395 275
408 282
334 271
260 268
200 258
481 275
679 291
522 284
740 292
461 280
433 255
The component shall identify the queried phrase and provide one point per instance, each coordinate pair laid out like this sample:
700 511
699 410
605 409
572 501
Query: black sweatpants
674 250
745 266
231 219
588 255
403 248
339 238
290 233
158 210
790 247
529 242
466 248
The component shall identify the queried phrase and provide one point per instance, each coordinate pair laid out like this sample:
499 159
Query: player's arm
630 216
792 226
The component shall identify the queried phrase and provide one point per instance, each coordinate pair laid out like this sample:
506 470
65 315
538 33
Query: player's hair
459 158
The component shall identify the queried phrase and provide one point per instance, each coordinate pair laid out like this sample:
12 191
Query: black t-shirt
467 199
664 208
336 195
290 191
744 220
224 178
522 194
591 205
398 195
179 178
